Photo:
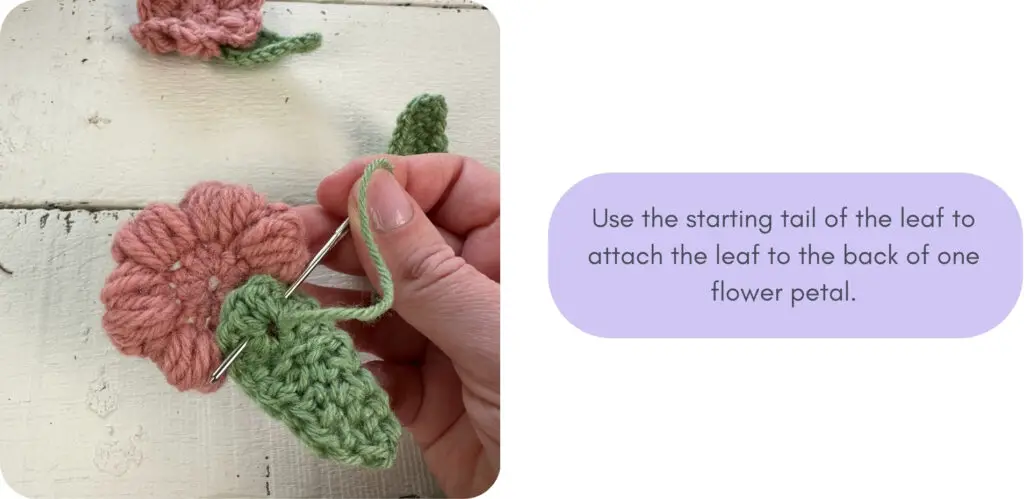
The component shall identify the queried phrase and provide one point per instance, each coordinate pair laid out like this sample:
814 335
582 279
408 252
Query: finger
320 225
482 250
344 258
336 297
460 194
435 291
317 223
404 386
391 338
427 399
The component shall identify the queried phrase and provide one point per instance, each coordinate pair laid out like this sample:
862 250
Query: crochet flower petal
167 36
155 238
140 308
219 212
275 246
189 357
197 27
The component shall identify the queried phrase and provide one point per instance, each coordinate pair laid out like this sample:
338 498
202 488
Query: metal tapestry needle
338 234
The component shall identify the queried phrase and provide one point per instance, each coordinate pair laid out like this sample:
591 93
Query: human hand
437 224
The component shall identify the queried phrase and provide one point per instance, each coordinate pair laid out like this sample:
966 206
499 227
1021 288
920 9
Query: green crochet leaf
306 373
420 128
270 47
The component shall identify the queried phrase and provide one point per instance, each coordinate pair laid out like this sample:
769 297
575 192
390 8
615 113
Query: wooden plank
87 116
81 420
444 4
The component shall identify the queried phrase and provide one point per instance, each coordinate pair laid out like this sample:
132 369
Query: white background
896 85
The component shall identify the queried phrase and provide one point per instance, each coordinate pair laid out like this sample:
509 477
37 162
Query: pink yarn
177 263
197 27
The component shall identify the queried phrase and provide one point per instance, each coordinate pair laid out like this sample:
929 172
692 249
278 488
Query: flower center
202 278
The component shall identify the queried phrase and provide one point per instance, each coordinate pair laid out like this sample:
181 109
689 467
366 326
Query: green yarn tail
386 296
304 371
270 47
420 129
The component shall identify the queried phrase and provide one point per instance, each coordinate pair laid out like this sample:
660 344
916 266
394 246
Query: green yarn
305 372
270 47
298 366
420 128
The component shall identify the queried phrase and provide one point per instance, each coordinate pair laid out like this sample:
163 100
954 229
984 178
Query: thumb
454 305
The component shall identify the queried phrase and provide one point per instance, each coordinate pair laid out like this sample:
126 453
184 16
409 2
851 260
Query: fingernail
389 205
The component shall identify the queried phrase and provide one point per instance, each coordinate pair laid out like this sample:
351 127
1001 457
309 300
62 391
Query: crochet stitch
221 261
305 372
269 47
206 29
175 265
420 128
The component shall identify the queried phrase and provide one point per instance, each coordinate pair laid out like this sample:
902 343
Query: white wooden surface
442 4
88 116
89 120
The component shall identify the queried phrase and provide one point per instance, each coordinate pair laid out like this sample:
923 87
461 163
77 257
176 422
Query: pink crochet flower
176 264
197 27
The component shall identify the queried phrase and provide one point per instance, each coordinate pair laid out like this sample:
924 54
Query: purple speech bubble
723 276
